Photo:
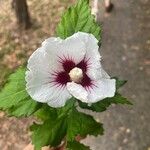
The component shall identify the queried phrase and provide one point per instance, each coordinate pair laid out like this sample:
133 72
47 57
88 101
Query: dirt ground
15 47
125 50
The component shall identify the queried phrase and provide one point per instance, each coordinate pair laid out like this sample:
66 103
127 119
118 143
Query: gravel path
125 50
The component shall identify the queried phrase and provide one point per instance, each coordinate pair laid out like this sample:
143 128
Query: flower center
76 75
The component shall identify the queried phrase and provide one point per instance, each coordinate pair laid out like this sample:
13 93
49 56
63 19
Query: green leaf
119 99
104 104
51 132
14 90
46 113
82 124
14 97
24 108
74 145
54 126
59 124
65 111
119 83
78 18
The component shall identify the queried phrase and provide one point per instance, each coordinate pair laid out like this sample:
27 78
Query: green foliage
25 107
78 18
14 97
119 83
102 105
51 132
105 103
63 122
46 113
74 145
82 124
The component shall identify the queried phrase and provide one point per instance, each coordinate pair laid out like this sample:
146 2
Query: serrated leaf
51 132
24 108
82 124
78 18
65 111
104 104
54 126
46 113
58 123
119 99
74 145
119 82
14 91
14 97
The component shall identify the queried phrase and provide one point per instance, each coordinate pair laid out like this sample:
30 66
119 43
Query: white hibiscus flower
60 69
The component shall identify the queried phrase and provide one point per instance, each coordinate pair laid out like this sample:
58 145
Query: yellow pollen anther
76 74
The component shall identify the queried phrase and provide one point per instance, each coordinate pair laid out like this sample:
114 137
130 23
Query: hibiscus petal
78 91
103 88
59 101
42 90
44 62
91 45
104 74
40 85
40 62
92 55
72 48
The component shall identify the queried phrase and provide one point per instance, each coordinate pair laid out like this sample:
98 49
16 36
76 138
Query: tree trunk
22 14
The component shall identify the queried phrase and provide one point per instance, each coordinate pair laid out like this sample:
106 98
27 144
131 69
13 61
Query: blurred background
125 52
